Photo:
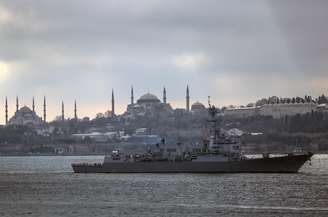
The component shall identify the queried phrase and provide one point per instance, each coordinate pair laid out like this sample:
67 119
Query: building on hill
147 105
25 117
287 109
243 112
277 110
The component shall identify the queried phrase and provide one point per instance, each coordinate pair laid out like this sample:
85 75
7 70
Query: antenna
44 110
63 112
6 111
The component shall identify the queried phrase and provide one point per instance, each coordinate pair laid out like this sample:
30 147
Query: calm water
46 186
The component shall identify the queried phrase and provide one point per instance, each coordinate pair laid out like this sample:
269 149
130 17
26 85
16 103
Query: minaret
33 105
113 103
75 110
132 97
6 110
44 110
63 111
187 100
17 104
164 95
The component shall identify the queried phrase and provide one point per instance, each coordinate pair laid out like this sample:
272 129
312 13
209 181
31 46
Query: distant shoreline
45 155
103 154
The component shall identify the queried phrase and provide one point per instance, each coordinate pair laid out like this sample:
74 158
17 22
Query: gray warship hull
284 164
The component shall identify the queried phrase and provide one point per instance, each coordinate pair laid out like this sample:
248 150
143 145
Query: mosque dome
25 110
25 116
148 98
197 106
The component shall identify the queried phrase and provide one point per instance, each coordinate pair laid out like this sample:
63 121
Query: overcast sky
235 51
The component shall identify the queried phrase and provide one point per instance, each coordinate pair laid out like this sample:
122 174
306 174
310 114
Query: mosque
148 105
23 116
28 117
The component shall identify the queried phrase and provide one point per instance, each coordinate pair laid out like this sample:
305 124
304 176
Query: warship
220 154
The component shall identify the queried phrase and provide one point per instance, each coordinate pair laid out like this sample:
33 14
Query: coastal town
270 125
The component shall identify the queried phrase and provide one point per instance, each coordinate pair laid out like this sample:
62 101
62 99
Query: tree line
287 100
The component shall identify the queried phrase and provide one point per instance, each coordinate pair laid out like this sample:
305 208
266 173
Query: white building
290 109
242 112
274 110
95 136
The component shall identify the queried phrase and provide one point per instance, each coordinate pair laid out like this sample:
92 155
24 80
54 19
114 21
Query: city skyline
64 114
234 51
45 109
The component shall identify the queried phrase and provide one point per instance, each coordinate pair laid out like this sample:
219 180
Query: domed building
198 108
148 105
148 98
25 116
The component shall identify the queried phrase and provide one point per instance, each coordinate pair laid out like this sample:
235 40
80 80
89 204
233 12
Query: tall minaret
113 103
33 105
6 111
63 112
75 110
17 104
132 96
44 110
164 95
187 100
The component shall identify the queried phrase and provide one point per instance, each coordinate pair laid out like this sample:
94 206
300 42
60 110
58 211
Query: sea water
47 186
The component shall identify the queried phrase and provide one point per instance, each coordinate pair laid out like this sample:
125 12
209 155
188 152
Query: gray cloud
70 48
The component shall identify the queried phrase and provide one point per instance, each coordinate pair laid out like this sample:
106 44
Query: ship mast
214 123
